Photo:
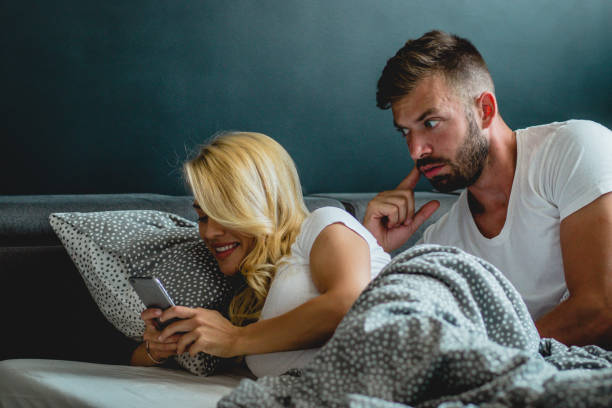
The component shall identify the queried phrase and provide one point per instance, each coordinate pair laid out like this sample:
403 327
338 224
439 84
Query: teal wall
106 96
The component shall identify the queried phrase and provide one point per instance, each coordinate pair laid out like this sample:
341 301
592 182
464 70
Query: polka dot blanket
109 247
438 328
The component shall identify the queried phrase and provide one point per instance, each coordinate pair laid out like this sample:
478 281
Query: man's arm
586 245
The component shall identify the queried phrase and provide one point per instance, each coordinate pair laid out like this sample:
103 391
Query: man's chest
490 223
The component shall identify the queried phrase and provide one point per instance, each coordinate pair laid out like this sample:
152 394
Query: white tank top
293 285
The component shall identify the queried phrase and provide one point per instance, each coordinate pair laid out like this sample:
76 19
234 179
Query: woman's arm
340 269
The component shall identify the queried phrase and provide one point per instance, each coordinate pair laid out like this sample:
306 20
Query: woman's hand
159 350
204 330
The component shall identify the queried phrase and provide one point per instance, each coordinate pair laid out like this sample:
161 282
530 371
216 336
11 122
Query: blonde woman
303 271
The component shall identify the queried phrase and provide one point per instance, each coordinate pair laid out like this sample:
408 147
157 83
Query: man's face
445 142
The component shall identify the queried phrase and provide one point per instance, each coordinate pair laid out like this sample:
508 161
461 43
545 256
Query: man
538 202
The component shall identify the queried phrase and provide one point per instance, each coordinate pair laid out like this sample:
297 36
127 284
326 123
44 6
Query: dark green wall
105 96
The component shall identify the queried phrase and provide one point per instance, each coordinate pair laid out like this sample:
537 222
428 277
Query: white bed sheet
56 383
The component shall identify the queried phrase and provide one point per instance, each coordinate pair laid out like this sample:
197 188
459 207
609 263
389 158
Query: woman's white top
293 285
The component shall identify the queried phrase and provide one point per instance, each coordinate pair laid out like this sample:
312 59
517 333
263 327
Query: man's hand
390 216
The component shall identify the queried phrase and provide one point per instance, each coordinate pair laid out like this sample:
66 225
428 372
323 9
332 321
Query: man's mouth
431 170
222 251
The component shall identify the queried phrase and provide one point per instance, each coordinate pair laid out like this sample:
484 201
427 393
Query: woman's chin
229 271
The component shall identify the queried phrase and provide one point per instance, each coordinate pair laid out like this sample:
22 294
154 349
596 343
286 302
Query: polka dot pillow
109 247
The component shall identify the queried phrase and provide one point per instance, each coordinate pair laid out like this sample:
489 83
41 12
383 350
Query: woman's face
229 247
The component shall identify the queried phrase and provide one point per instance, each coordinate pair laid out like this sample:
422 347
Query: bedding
38 383
110 246
438 328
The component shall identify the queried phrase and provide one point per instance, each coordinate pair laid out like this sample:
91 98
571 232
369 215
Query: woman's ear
487 108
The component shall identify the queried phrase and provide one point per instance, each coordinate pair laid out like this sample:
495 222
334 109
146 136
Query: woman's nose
211 229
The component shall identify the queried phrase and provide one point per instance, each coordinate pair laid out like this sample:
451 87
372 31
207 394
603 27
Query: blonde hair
247 182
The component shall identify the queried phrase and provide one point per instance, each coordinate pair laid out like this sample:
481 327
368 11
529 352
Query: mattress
52 383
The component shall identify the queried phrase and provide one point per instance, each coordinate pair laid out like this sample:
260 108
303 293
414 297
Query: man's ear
487 108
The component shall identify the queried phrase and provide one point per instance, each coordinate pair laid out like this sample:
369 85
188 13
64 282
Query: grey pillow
109 247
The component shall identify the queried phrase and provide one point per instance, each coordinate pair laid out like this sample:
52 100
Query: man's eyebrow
420 118
426 113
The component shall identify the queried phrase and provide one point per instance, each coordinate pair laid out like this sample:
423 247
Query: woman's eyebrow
196 206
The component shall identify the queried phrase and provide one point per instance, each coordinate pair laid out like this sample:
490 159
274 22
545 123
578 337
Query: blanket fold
438 328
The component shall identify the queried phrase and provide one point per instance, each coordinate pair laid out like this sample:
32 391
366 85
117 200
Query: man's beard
468 165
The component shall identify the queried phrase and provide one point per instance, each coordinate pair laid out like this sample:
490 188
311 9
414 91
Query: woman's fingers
185 341
177 312
162 346
190 319
150 314
207 331
162 350
154 337
177 328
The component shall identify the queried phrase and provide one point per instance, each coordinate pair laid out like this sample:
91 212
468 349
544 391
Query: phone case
153 295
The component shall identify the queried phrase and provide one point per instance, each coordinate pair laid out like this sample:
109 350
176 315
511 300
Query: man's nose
418 147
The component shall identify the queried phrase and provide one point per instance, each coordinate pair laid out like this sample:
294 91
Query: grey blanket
438 328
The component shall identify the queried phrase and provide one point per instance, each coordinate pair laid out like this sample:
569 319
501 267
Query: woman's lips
222 251
431 171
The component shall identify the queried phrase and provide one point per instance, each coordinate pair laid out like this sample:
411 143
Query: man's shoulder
562 141
582 125
574 129
570 123
569 165
577 128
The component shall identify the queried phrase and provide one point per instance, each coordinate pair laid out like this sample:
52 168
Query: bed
64 349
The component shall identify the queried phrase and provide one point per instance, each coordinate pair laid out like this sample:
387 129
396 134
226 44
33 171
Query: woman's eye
431 123
203 219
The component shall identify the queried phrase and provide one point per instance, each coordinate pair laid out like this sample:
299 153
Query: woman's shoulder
329 213
322 217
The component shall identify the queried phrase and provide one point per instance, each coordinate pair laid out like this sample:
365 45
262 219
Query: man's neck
491 192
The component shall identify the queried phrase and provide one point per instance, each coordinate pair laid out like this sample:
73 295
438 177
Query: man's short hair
436 52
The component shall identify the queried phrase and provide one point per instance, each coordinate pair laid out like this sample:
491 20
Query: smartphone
153 295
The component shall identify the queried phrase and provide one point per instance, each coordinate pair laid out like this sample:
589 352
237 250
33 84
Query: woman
302 271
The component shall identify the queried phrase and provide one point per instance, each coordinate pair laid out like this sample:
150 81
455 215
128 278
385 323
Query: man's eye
431 123
403 131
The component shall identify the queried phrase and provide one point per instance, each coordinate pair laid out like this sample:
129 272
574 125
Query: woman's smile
223 250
